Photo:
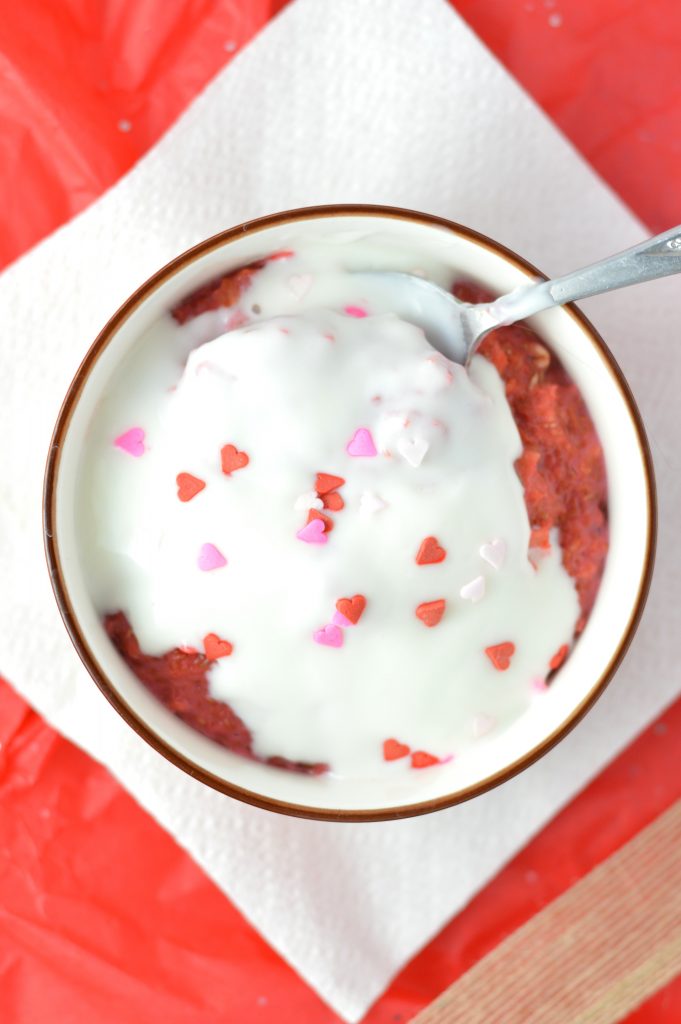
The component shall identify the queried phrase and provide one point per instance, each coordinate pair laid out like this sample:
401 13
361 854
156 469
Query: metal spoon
457 328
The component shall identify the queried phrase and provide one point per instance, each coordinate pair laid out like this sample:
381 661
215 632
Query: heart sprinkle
370 503
237 319
361 444
539 685
329 636
327 520
307 501
494 553
500 655
333 501
210 558
300 284
430 552
232 459
420 759
559 657
413 451
351 608
356 311
473 591
483 724
132 442
325 482
313 533
430 612
215 647
188 486
393 750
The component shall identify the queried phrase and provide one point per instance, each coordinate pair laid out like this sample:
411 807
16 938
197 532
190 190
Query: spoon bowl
457 328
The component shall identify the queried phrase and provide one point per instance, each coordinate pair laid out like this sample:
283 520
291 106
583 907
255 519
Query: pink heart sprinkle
362 443
210 557
357 311
329 636
539 685
340 620
132 442
236 320
313 532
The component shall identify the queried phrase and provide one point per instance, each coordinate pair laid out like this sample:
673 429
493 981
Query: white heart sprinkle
474 591
308 500
370 503
300 284
482 724
413 451
494 553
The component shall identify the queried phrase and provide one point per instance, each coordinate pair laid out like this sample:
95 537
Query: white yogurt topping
300 389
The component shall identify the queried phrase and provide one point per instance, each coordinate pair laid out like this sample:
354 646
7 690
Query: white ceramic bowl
574 688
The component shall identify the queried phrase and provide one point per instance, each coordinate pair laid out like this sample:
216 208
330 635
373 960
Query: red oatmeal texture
562 470
178 679
224 291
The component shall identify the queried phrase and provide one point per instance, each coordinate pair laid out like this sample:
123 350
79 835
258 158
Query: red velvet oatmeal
562 468
178 680
562 472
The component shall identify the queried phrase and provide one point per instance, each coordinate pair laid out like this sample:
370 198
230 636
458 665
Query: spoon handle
656 257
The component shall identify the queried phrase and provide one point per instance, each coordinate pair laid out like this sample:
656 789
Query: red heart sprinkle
500 655
314 514
188 486
215 647
352 607
430 552
559 657
430 612
420 759
325 483
393 750
232 459
333 501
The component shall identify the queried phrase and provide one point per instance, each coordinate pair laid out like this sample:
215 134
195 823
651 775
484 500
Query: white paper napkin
390 101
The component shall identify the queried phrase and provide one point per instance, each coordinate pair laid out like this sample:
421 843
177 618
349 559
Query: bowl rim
80 642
